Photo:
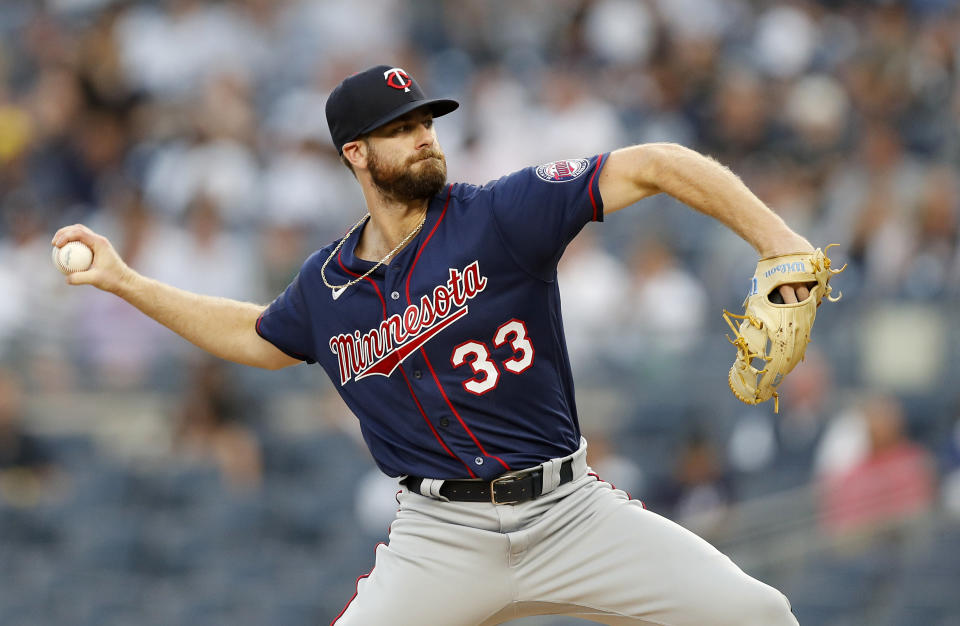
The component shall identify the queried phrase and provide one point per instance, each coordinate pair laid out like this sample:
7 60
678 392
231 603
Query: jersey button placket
427 392
392 286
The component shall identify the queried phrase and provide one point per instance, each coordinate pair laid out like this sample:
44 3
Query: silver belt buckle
510 477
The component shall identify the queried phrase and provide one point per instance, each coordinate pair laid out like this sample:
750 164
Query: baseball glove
772 337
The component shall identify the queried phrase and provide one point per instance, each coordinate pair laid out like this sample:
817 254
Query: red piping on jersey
424 244
432 429
593 200
455 412
424 353
629 497
367 278
409 386
356 588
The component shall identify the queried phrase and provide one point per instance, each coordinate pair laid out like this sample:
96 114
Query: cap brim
438 106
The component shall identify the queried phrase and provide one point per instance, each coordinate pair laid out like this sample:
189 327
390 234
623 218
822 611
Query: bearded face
419 177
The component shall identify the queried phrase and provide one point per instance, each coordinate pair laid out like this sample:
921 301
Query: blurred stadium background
142 483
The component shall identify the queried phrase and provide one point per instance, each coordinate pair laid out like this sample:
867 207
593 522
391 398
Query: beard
418 178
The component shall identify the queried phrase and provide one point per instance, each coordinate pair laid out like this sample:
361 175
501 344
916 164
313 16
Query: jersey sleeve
539 210
286 323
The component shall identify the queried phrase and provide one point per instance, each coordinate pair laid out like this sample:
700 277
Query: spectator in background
935 247
16 132
593 289
870 203
740 123
169 50
612 466
57 170
786 443
810 394
573 122
667 304
306 200
204 256
950 463
843 444
213 157
26 469
892 483
34 308
699 491
210 429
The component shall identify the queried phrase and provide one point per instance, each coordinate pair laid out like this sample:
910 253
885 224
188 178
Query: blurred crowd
192 133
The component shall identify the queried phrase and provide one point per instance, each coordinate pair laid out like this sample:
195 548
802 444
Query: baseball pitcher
437 317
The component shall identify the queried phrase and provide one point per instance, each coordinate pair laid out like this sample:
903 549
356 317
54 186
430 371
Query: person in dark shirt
25 465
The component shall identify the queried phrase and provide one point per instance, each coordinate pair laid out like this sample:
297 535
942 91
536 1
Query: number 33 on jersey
452 356
380 350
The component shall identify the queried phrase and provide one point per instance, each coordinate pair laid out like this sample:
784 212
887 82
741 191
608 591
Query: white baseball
74 256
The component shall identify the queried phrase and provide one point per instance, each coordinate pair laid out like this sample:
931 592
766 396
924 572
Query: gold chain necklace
339 289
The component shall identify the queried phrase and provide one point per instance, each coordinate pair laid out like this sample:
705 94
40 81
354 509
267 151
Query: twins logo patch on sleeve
562 171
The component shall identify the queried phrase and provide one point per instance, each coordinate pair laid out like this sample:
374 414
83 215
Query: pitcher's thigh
629 562
423 581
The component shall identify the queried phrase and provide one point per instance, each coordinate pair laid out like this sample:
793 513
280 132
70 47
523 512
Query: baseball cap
373 97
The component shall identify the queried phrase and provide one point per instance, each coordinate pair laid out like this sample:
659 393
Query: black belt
506 489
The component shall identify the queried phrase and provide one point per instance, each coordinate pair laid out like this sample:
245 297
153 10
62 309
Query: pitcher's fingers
74 232
788 294
802 293
81 278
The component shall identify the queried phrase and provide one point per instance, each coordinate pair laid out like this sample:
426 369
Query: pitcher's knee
759 605
775 609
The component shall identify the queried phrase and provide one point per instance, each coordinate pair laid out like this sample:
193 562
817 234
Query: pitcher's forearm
225 328
222 327
713 189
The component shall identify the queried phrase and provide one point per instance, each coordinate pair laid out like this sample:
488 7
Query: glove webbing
741 343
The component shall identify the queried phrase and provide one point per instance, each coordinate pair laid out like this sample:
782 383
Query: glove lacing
741 343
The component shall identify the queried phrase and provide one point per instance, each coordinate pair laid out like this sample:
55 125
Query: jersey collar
358 265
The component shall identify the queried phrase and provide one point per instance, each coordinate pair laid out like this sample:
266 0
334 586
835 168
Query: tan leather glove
772 338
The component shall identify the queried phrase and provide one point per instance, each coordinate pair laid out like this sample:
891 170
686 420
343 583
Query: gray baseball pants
584 549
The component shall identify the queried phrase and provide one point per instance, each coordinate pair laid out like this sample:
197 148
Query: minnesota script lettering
379 351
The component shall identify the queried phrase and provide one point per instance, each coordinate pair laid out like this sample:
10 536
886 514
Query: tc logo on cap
398 78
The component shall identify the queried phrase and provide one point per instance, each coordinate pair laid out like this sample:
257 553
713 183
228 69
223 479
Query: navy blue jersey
453 356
